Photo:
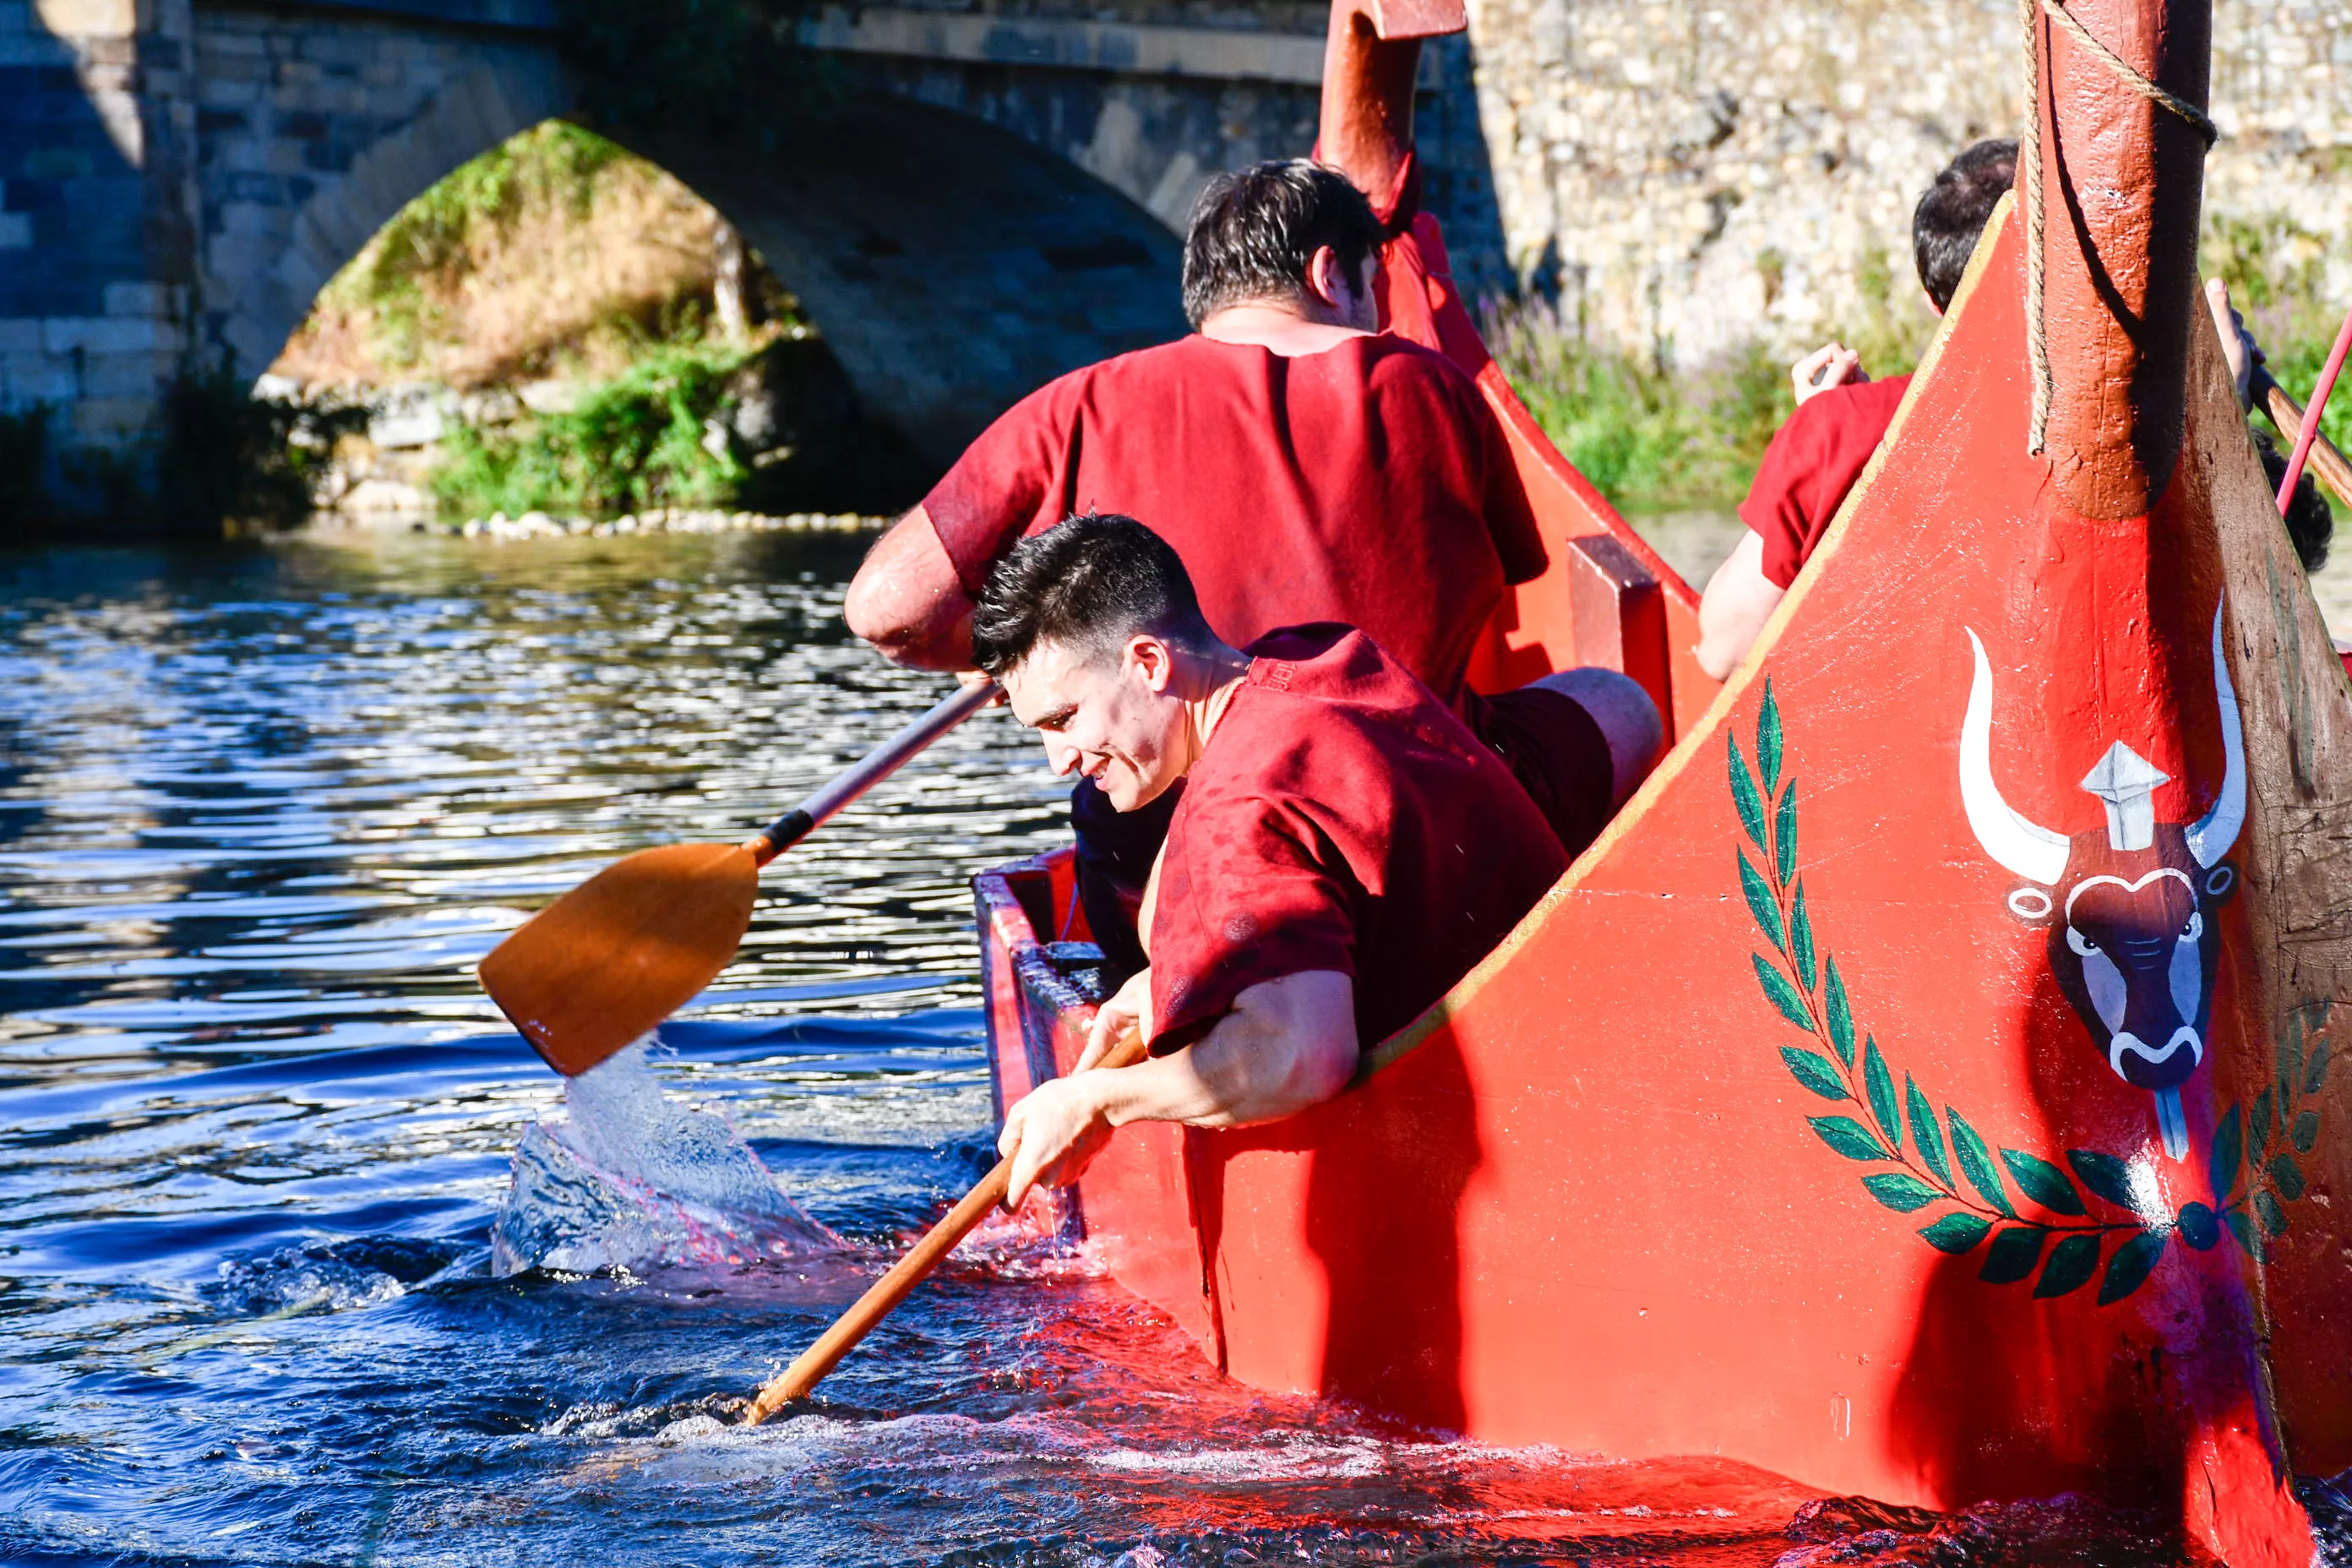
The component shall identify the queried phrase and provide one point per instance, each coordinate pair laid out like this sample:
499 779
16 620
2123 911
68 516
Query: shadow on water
265 809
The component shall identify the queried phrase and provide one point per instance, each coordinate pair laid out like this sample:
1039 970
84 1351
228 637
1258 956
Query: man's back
1341 818
1367 484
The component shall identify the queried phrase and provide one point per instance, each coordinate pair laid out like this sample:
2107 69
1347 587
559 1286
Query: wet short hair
2310 521
1952 213
1090 583
1255 230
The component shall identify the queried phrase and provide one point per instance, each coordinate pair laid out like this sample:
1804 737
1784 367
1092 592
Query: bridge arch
951 265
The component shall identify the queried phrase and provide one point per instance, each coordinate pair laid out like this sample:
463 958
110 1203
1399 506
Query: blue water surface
261 811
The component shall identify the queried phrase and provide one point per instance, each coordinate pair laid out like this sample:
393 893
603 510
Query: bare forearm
908 601
1287 1045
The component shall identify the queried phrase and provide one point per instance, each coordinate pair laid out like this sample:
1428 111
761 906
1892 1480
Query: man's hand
1832 365
1127 1012
2238 345
1054 1133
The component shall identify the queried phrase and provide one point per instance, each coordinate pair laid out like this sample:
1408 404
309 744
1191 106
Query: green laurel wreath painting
2035 1218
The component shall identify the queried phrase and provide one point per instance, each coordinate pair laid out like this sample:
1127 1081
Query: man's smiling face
1114 718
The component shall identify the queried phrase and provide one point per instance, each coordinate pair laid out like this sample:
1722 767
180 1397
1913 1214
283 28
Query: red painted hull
1652 1181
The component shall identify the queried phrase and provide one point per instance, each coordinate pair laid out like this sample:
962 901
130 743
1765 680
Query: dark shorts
1115 850
1557 752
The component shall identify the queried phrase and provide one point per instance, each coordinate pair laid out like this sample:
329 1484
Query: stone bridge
993 200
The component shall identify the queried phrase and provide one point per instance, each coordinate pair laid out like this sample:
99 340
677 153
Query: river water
259 814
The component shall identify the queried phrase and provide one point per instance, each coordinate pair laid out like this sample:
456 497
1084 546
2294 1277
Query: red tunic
1813 462
1341 817
1368 484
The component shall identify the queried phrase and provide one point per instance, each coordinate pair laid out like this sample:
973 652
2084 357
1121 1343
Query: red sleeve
1775 507
1016 478
1243 899
1510 519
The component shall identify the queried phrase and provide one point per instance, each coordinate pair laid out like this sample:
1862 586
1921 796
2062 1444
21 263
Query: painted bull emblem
2133 942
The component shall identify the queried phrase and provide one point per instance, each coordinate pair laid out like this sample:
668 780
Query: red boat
1924 1088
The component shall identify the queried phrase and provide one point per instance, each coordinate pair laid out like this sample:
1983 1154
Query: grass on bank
647 437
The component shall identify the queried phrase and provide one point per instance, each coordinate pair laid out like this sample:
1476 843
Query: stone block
15 17
107 420
26 379
19 335
88 18
127 375
109 334
16 231
158 300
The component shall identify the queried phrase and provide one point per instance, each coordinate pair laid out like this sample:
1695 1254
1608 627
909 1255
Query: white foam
630 1179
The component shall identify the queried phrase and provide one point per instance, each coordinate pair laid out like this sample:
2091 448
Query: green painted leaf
1743 795
1900 1191
2259 1135
2228 1152
1784 833
2243 1229
1848 1137
2286 1176
1840 1015
1768 740
1801 935
1782 994
1814 1070
2128 1269
2274 1216
2199 1225
2013 1254
1956 1232
2316 1073
1881 1085
2307 1130
2070 1268
1976 1162
2042 1182
1925 1136
1760 902
2105 1174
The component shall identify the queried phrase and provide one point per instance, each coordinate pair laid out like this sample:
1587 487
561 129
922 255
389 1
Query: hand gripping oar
797 1380
633 943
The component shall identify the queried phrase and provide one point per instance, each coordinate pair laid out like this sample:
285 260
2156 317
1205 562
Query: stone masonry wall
1687 175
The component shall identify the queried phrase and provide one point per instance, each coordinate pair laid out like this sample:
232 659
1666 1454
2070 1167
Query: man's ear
1152 660
1327 281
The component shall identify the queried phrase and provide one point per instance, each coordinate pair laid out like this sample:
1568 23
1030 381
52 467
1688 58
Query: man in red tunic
1305 469
1841 415
1345 849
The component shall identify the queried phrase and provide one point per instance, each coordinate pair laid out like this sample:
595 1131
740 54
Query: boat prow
1925 1089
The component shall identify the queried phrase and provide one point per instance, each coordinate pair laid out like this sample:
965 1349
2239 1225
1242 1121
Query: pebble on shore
665 519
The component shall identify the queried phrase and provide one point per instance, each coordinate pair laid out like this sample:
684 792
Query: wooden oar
631 946
2334 470
797 1380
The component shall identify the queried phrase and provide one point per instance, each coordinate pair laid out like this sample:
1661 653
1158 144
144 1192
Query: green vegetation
1646 436
230 457
24 487
2275 272
634 442
707 66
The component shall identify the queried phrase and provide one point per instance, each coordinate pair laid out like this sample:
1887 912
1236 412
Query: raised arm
1738 600
908 601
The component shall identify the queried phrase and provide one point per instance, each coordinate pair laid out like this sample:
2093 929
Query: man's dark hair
1089 581
1953 213
2310 524
1255 230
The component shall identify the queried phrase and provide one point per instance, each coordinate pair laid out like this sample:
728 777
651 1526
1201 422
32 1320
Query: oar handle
2334 470
797 1380
870 770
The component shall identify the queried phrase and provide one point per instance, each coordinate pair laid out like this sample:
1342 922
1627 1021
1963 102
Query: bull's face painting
2134 942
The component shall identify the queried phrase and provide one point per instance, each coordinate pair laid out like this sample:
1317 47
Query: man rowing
1841 415
1345 848
1305 469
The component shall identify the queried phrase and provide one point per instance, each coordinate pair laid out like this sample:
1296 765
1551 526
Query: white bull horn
2032 851
2217 830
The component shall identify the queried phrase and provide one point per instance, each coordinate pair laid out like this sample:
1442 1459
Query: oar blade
622 950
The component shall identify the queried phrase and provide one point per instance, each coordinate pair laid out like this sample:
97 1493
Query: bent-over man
1344 851
1305 468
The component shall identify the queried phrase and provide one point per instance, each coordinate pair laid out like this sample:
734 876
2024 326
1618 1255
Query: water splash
632 1179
